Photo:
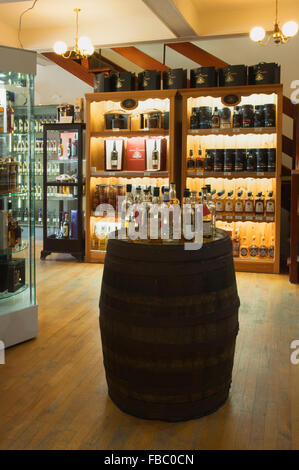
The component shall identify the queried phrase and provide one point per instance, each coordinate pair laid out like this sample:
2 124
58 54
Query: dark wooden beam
198 55
288 107
70 66
139 58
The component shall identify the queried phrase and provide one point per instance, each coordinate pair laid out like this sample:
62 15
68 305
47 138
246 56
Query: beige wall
8 35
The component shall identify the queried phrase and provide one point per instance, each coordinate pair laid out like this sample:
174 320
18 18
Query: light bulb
290 28
257 34
60 47
84 43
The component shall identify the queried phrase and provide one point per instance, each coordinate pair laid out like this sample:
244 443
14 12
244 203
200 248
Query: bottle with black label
216 119
240 159
205 117
270 115
271 164
261 160
259 116
218 160
229 160
191 161
194 119
248 115
251 160
209 160
225 118
199 162
237 117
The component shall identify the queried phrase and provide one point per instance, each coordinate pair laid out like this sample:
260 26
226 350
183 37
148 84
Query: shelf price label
238 217
111 173
237 129
270 219
260 173
147 173
248 217
227 173
259 217
229 217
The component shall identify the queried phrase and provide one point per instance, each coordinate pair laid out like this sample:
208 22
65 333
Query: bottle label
239 206
229 206
253 250
249 206
263 252
259 207
270 207
207 228
219 206
271 252
244 252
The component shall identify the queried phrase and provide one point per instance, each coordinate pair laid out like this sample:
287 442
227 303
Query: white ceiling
116 22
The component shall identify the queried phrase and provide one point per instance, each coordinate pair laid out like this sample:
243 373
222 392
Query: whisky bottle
66 226
262 251
207 216
60 149
215 119
253 249
114 157
229 203
251 160
271 250
212 206
220 202
155 157
40 217
209 160
199 162
190 161
69 149
239 206
249 204
270 204
236 244
244 248
94 238
186 196
172 194
259 204
126 214
102 239
237 117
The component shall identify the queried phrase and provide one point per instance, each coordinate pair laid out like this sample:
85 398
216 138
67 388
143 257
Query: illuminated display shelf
97 104
237 138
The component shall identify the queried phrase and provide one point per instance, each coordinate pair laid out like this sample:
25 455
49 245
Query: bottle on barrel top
207 215
212 206
126 213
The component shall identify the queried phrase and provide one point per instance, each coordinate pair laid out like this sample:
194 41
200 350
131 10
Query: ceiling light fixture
279 36
82 49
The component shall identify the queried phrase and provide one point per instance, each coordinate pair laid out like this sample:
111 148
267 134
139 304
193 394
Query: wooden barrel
169 321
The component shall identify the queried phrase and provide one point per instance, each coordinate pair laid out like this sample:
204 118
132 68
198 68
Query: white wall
53 85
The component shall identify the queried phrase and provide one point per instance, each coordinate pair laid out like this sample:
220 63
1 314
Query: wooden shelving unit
212 97
99 103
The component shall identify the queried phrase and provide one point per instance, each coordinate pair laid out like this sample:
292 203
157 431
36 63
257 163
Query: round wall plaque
129 103
231 100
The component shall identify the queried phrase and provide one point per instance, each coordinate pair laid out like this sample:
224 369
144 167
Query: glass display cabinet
18 309
63 190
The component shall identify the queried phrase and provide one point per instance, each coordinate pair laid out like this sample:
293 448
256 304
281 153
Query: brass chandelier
82 49
279 36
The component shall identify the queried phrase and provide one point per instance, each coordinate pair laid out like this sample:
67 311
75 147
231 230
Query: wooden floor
53 392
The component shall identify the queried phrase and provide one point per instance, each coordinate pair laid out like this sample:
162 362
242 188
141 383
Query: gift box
102 82
123 81
136 157
12 275
233 75
174 79
203 77
264 73
114 154
156 150
149 80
